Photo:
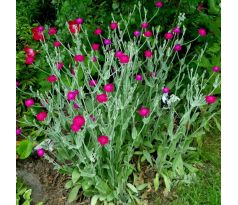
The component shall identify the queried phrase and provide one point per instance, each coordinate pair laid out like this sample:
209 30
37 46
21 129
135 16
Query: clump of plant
124 95
23 194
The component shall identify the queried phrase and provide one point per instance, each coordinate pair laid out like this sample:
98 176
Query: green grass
206 189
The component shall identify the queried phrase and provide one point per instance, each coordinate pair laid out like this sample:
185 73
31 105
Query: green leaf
68 184
132 187
178 165
191 168
17 200
141 186
214 48
86 184
21 191
80 74
24 149
205 62
147 156
40 203
218 123
156 182
115 5
94 200
26 203
75 175
103 188
88 171
73 194
27 194
213 8
148 144
134 133
167 182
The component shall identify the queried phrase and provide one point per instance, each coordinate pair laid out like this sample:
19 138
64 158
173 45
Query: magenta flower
73 27
79 120
124 59
52 79
177 47
56 44
38 33
200 7
108 88
52 31
148 53
165 90
18 131
41 152
210 99
76 92
75 127
79 58
41 116
29 102
29 51
98 31
71 95
76 106
177 30
144 25
114 25
92 117
78 21
136 33
202 32
17 83
119 54
216 69
159 4
103 140
59 65
107 41
138 77
94 58
101 98
148 34
144 111
95 46
168 36
93 83
29 60
40 28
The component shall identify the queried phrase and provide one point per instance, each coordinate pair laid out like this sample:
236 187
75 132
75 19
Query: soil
46 183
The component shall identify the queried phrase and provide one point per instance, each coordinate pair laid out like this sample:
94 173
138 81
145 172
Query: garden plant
23 194
123 99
